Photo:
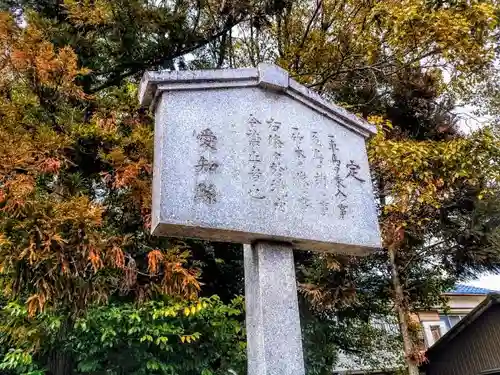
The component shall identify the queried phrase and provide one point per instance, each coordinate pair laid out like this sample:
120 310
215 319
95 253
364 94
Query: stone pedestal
272 314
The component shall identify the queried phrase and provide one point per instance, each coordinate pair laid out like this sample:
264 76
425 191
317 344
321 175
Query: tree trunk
59 360
402 313
59 363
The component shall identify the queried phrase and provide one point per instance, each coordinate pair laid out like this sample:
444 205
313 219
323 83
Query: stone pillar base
272 314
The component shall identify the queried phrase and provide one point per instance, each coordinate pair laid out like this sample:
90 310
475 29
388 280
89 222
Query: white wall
465 303
458 305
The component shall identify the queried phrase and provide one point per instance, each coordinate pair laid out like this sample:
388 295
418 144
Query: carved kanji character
254 137
256 193
254 157
205 165
336 165
301 178
207 139
318 156
255 172
273 125
280 203
315 139
332 145
206 192
297 136
353 171
343 210
340 193
299 153
305 201
275 140
320 179
324 205
253 120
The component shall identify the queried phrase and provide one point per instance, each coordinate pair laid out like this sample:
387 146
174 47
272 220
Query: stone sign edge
179 230
267 76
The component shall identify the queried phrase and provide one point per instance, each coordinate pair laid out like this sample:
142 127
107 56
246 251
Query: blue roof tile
467 289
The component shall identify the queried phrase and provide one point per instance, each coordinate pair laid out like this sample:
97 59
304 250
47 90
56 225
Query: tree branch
135 67
319 3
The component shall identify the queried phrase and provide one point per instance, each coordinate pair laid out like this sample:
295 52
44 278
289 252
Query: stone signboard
249 154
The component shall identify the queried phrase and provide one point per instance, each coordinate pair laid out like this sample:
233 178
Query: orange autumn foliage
74 189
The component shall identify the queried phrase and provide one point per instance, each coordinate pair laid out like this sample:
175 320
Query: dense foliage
86 289
158 337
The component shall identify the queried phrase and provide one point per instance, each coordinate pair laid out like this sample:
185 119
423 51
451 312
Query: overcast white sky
487 281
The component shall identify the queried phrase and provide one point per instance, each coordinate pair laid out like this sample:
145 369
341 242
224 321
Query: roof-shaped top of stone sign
267 76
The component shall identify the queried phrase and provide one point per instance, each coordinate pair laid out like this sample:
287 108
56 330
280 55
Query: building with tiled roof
471 346
462 289
461 301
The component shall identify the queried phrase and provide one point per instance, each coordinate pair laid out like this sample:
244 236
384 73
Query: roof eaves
490 371
469 290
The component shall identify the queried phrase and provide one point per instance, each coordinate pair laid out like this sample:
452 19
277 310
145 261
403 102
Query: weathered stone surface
249 154
272 315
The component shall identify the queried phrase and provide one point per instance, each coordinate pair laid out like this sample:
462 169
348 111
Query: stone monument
251 156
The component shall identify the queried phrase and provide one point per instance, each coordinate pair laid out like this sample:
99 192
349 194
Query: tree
62 181
386 60
120 39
